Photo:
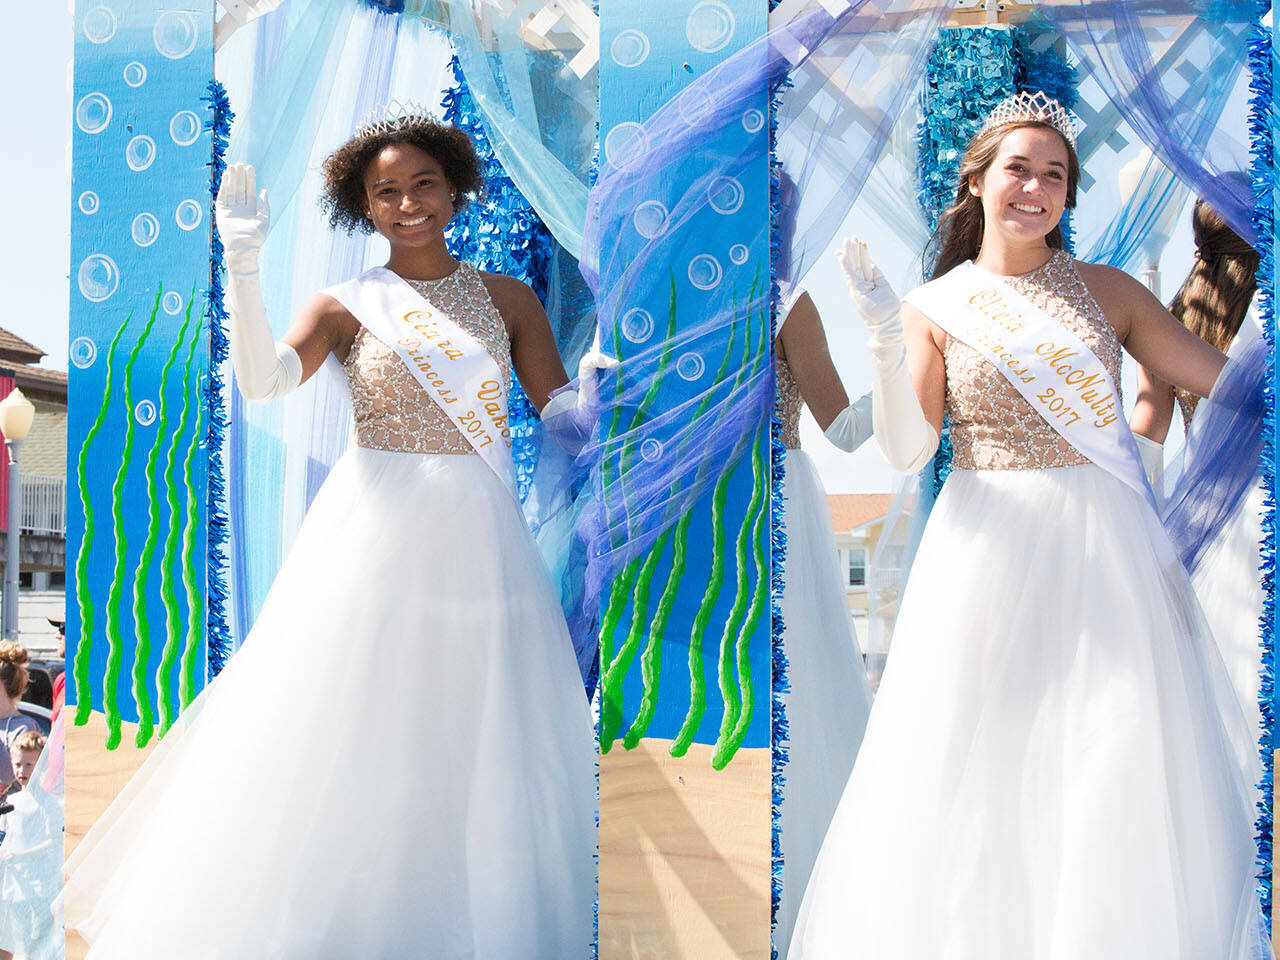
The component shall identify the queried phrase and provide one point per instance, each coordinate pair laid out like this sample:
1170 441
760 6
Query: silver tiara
1037 107
392 115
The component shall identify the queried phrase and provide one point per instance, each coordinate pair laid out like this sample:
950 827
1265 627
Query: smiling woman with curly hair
344 198
465 826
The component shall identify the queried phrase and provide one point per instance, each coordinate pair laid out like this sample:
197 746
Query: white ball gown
830 698
1052 767
310 806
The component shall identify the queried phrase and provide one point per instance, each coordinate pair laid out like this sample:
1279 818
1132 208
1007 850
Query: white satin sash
451 365
1052 368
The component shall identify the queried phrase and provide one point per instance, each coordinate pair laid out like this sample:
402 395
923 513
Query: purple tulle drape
849 78
1151 58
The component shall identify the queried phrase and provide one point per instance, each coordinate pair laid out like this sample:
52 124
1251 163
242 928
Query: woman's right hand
243 215
868 288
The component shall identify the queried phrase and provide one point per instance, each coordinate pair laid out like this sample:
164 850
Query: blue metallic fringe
501 233
1046 69
217 627
970 70
1261 129
779 736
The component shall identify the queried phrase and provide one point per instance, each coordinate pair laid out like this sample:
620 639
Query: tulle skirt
829 700
1052 770
397 763
1227 582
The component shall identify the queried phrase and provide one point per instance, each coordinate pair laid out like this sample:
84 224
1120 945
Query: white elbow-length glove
853 426
906 438
264 370
1152 455
570 416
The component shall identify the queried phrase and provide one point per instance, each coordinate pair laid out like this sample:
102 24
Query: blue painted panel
139 355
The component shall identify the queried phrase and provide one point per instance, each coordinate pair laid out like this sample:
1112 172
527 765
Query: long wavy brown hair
958 236
1215 296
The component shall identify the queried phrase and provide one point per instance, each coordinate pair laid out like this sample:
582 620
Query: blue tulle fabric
847 89
1223 449
1165 67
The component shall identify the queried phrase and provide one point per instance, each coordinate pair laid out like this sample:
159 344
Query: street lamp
16 414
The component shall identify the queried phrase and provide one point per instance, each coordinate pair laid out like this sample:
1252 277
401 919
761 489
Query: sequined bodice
992 426
390 409
789 403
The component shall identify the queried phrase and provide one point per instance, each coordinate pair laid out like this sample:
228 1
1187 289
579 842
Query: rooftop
850 510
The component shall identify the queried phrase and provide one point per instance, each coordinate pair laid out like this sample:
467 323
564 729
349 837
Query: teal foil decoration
500 233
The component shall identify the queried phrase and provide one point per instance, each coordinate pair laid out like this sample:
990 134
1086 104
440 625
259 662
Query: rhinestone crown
392 115
1038 107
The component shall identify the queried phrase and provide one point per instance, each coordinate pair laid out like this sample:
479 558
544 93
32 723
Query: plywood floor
684 855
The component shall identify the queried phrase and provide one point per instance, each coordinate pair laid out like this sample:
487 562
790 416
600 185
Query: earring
453 196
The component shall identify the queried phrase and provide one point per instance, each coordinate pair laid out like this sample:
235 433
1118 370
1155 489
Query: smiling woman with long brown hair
1050 767
308 805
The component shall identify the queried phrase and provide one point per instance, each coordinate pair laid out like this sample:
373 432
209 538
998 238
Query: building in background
42 574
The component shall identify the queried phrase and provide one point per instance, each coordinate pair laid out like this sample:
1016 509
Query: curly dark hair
344 197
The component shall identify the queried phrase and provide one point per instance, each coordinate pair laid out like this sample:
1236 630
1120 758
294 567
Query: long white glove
570 416
906 438
264 370
853 426
1152 455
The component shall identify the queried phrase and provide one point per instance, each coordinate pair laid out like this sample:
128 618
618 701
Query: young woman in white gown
308 806
1217 303
1050 771
830 698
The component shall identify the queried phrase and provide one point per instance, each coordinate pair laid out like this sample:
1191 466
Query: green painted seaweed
727 745
623 587
84 599
115 642
168 592
141 622
192 578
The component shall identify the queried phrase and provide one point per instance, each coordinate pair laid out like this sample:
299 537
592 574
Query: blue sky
35 52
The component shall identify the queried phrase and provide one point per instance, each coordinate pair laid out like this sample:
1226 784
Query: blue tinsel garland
501 233
970 70
779 685
1262 128
217 629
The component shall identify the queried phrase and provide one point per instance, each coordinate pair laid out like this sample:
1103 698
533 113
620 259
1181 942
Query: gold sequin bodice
992 426
789 403
390 409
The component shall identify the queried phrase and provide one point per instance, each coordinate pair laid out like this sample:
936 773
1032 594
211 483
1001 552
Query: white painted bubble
696 105
99 25
630 48
752 120
690 366
88 203
145 229
650 450
709 26
725 194
82 352
135 74
188 215
626 145
637 325
98 277
144 411
171 303
175 34
140 153
705 271
184 128
650 219
738 253
93 112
